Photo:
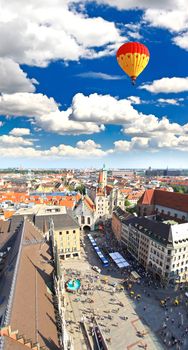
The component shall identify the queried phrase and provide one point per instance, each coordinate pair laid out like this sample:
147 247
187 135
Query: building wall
172 212
116 227
145 209
68 242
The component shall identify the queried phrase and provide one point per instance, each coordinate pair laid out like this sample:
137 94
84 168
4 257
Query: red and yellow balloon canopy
133 57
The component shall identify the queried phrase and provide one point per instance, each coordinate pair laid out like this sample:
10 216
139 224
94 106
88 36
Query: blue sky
64 100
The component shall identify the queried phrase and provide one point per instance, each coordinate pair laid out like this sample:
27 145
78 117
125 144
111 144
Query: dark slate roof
64 221
4 232
122 214
61 221
156 231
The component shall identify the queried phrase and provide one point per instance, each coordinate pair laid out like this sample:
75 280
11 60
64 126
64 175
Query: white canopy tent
119 260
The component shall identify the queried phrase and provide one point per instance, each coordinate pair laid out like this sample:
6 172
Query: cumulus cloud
20 132
102 109
35 33
13 79
138 4
60 123
9 140
83 149
167 85
26 104
169 14
182 40
153 144
148 125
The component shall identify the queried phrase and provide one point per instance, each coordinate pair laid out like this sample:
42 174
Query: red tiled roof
166 199
147 198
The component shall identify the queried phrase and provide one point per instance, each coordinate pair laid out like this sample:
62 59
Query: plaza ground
121 326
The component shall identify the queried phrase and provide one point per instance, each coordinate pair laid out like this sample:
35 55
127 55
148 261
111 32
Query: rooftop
31 310
178 201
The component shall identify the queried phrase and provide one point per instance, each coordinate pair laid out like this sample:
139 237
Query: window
169 252
183 217
67 232
180 250
182 262
74 231
60 233
167 267
184 249
173 266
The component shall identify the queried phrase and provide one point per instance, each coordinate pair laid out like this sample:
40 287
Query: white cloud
9 140
181 40
148 125
174 20
167 85
133 30
20 132
35 33
60 123
100 75
122 145
91 149
169 14
26 104
170 101
139 4
13 79
87 145
153 144
135 100
102 109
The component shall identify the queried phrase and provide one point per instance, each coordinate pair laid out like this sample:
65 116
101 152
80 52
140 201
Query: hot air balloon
133 57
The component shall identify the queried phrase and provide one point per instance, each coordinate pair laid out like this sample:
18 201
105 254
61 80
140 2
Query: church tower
102 182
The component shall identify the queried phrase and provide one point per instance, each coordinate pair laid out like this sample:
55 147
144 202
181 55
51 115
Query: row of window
179 257
66 250
178 264
157 261
175 215
67 232
181 249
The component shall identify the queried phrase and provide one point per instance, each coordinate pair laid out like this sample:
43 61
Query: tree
127 203
81 188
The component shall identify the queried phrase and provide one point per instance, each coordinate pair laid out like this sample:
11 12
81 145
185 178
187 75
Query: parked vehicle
96 268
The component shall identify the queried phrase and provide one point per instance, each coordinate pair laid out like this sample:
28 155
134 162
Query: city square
130 312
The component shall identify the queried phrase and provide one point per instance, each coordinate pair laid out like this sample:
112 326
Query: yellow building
66 236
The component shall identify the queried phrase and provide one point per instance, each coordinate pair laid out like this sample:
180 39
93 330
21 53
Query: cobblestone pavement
121 325
169 323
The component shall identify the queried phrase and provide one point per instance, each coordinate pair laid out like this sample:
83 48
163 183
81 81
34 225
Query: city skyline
65 102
